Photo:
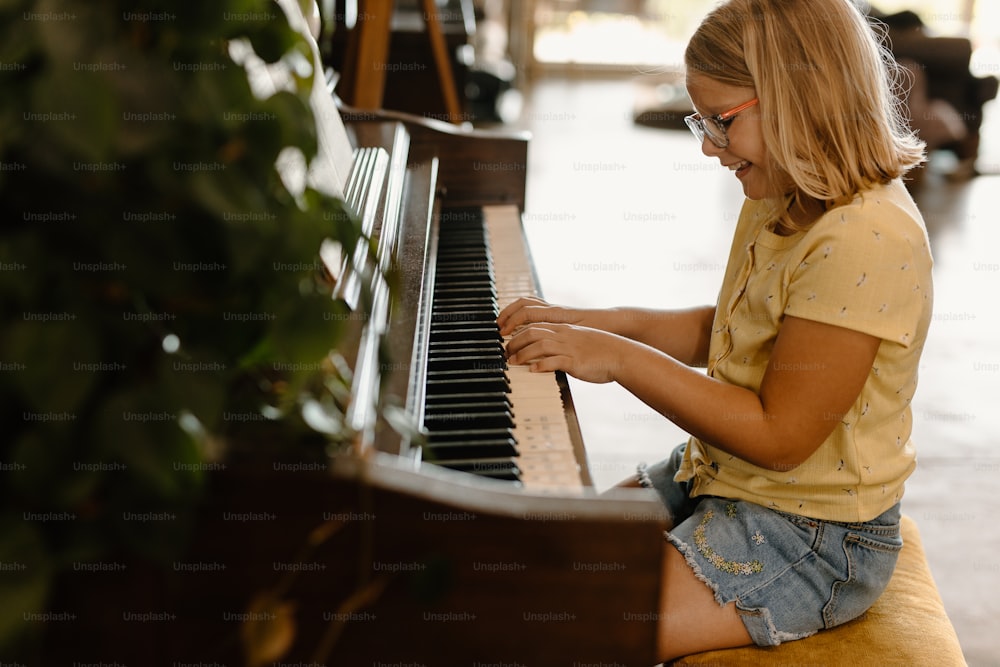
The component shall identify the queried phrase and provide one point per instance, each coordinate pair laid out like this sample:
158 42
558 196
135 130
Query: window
614 34
639 34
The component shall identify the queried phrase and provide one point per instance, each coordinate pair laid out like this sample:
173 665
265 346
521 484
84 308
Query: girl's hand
530 310
587 354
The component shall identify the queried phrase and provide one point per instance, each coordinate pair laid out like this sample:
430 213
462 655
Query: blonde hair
831 114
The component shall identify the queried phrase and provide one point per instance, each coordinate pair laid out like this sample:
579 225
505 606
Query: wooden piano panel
458 571
476 167
476 572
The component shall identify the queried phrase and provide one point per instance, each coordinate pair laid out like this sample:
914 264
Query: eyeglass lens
711 127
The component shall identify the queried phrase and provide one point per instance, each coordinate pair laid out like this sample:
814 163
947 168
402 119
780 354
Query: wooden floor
619 214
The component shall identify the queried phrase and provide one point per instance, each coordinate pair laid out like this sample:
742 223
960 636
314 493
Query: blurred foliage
160 286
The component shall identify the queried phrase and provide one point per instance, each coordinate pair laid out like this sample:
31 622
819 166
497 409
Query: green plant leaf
79 111
147 158
269 32
24 584
53 346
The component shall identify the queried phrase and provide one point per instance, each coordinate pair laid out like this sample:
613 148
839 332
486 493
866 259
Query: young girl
786 496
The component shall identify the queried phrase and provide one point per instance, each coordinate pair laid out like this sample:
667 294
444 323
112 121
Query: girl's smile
745 154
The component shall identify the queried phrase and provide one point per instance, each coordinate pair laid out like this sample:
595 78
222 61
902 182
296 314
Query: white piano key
548 457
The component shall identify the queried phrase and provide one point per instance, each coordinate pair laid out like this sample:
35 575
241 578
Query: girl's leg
691 620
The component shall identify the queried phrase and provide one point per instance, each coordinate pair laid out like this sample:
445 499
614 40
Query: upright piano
481 543
484 542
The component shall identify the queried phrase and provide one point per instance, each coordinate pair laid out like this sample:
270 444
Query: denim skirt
790 576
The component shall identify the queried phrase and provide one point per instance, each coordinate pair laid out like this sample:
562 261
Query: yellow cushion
906 626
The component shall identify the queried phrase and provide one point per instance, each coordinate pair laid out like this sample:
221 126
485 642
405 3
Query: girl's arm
681 334
815 374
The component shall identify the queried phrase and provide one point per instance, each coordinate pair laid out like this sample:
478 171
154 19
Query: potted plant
162 293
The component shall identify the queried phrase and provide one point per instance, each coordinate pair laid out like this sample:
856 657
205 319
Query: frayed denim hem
760 627
758 622
642 473
685 550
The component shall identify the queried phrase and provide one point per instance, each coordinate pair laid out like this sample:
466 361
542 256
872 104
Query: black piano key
464 287
451 386
470 374
482 398
447 360
466 267
465 334
458 421
497 468
452 289
461 382
455 362
464 259
476 309
469 268
471 311
468 294
465 272
453 302
474 272
464 317
467 412
457 451
467 300
462 275
443 351
471 443
496 436
451 325
458 403
458 240
493 418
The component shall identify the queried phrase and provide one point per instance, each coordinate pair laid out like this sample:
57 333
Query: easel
365 62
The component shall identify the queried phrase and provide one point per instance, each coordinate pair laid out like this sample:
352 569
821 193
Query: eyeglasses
714 127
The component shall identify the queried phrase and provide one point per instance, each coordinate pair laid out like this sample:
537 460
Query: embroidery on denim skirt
730 566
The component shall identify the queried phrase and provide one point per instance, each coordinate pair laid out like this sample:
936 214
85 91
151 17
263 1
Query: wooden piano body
434 567
426 567
374 563
381 558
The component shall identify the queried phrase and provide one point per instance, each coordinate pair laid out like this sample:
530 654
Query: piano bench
906 626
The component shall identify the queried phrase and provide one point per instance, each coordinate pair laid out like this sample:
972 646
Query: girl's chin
755 187
754 192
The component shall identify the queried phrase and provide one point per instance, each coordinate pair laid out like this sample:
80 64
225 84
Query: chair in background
945 99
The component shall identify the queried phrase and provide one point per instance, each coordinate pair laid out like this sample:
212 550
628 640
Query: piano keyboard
482 416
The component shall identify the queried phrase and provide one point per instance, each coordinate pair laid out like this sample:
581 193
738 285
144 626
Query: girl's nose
709 148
